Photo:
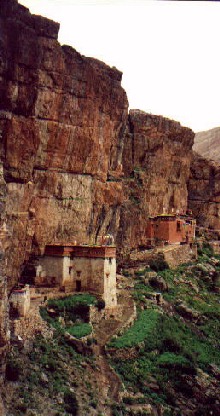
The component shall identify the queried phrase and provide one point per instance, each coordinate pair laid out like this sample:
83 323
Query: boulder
159 283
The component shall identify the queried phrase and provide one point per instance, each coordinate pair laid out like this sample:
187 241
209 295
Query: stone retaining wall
180 254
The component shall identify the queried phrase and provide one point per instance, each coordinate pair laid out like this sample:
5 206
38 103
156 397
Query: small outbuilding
19 301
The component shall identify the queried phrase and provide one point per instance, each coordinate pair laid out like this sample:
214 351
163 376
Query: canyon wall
204 192
204 184
63 118
75 165
156 164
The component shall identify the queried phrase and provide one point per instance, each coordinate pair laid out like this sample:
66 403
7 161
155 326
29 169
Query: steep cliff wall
62 122
204 191
156 163
74 165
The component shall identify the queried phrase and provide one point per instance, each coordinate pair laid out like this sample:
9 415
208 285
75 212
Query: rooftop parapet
81 251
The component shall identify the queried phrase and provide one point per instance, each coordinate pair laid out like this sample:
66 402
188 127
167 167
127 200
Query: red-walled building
170 229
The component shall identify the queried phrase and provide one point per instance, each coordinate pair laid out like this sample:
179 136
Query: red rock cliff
62 120
156 162
74 165
204 191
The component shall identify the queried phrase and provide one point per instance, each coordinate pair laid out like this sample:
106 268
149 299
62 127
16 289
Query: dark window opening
110 260
28 275
78 285
178 226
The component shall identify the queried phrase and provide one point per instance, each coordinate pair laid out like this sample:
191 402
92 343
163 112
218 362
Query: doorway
78 285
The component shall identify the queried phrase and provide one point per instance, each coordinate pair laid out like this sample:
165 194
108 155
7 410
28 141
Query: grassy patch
80 330
170 349
141 329
70 312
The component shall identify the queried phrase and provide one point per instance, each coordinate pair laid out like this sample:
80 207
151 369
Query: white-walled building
19 301
80 268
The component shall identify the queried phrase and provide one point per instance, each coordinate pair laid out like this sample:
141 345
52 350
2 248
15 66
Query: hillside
166 363
207 144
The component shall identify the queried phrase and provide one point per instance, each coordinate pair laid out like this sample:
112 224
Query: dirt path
104 331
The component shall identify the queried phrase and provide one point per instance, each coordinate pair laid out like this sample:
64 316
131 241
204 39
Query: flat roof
61 250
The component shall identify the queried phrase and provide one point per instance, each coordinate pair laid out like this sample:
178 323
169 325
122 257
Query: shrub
171 360
100 304
158 264
13 369
70 402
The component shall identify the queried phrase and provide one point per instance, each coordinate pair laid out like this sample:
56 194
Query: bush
171 360
158 264
70 402
205 250
13 369
100 304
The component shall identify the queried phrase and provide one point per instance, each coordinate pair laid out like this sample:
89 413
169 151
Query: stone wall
51 271
177 255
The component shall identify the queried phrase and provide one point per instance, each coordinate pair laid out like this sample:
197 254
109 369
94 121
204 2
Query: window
78 285
110 260
78 273
178 226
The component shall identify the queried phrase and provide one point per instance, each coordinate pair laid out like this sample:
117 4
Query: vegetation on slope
171 352
176 343
70 314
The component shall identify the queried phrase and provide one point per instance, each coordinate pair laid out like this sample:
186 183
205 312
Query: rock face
68 141
62 123
207 144
204 185
204 191
4 244
74 164
156 164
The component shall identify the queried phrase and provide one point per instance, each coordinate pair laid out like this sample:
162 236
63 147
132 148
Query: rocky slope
204 192
165 363
207 144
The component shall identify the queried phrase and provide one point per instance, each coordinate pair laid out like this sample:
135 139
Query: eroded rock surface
207 144
204 191
62 122
156 163
75 165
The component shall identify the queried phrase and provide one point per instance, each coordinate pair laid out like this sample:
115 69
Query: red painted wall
170 229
